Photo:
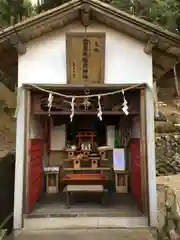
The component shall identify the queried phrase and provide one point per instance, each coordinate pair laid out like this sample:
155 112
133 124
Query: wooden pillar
26 149
20 161
143 153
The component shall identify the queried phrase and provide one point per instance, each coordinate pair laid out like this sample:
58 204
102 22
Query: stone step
88 234
84 222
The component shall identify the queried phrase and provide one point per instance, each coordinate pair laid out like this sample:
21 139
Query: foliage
13 11
51 4
165 13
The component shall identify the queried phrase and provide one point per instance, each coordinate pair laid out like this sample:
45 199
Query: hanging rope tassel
99 114
72 108
50 100
125 106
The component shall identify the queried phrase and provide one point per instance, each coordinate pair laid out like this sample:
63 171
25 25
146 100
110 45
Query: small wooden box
94 163
121 182
71 154
103 155
76 164
86 154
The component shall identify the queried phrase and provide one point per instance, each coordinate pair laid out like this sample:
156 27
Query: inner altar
87 142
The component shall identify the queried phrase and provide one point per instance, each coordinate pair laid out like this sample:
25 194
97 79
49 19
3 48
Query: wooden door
35 171
136 172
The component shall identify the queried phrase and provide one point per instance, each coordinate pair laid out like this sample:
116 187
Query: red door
35 171
136 172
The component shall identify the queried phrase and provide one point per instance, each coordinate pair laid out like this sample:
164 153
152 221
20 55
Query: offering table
84 183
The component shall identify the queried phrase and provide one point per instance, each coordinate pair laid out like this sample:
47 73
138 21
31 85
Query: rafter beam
165 54
152 42
17 44
159 66
10 58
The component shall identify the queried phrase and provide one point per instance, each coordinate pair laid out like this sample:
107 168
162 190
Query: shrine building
86 73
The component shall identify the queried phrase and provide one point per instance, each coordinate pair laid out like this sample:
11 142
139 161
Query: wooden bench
83 188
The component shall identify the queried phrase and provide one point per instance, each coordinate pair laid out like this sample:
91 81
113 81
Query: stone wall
167 154
7 121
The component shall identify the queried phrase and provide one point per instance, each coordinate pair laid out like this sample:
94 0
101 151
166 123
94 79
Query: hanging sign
85 56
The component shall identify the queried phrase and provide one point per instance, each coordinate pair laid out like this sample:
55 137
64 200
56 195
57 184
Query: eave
165 50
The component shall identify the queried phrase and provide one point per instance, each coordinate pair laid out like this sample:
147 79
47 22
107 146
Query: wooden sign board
85 56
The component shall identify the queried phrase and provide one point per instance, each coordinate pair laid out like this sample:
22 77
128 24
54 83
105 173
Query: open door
35 171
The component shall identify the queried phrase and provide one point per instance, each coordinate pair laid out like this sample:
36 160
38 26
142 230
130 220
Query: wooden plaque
85 56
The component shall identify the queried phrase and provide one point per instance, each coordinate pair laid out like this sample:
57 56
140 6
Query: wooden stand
83 188
52 182
121 182
103 155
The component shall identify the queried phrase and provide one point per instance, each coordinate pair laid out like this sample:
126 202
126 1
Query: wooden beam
82 113
157 51
10 58
17 44
70 87
85 15
158 73
152 42
143 153
159 66
26 149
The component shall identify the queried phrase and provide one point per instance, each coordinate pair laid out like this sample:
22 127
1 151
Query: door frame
27 151
143 137
143 154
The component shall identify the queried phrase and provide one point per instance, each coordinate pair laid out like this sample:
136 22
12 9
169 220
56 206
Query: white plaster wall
136 127
45 60
110 131
58 137
35 128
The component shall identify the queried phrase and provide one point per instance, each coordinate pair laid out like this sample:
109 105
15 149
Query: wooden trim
27 153
50 130
105 86
83 113
24 149
88 34
143 153
67 59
